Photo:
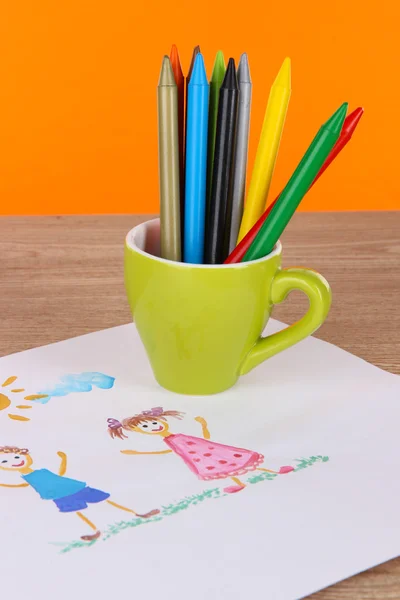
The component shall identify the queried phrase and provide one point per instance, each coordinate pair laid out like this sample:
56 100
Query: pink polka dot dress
209 460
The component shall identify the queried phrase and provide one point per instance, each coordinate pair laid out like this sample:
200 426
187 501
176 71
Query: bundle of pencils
203 131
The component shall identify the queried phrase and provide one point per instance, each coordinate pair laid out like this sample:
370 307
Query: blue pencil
196 163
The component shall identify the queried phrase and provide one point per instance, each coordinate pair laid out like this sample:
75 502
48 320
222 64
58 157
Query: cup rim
132 246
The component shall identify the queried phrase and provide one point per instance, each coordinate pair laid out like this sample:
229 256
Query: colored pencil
297 185
180 82
267 150
168 160
196 163
223 164
237 254
216 80
235 211
196 51
348 129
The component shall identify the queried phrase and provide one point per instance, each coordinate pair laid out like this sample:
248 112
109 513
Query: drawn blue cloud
81 382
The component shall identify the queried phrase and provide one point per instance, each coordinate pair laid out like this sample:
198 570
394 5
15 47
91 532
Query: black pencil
223 165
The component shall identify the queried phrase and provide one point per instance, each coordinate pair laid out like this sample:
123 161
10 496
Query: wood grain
63 276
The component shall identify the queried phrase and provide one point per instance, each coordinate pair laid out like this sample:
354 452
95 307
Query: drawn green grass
184 504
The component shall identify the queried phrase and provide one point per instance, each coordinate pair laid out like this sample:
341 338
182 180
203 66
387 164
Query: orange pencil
180 82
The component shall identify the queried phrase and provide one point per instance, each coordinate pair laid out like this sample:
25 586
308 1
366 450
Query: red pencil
348 129
180 82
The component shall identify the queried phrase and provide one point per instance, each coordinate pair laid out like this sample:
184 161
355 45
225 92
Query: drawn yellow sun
5 401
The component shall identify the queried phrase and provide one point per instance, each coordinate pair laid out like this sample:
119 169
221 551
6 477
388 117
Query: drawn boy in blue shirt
69 495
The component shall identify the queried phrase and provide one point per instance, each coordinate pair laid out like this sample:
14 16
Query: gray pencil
242 140
168 163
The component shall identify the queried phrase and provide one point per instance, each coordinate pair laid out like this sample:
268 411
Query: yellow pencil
267 150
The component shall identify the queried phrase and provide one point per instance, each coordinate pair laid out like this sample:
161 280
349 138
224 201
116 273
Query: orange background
78 95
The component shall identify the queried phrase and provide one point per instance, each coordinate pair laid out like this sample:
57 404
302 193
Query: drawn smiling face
14 461
153 427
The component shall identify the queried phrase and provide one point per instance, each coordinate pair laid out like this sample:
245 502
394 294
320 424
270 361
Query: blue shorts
80 500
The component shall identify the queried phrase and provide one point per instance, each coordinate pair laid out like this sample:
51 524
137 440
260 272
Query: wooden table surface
63 276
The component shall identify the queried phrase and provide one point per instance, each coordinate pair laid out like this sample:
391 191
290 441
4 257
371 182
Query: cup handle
320 296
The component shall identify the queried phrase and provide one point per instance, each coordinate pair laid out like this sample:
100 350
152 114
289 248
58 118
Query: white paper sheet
328 414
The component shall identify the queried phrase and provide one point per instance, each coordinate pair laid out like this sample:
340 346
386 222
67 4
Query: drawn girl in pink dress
206 459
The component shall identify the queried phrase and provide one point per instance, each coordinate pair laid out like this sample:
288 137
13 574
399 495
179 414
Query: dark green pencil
297 186
216 80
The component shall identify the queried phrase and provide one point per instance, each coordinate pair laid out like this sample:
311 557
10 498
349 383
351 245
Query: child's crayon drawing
68 384
205 458
69 495
6 401
80 382
184 504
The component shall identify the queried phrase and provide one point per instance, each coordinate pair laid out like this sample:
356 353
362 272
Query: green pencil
216 80
297 186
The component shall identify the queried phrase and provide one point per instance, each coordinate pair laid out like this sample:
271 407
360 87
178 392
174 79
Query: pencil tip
196 51
166 74
335 122
284 77
176 63
243 71
230 80
199 75
353 119
218 71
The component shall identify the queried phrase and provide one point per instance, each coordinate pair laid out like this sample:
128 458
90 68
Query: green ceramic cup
201 325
